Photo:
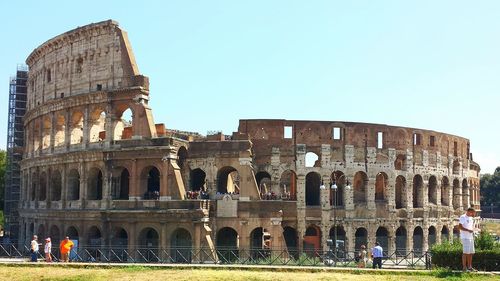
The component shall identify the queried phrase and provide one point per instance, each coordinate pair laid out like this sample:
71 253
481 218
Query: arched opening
432 192
465 194
432 236
41 232
42 193
257 251
361 238
418 241
313 181
445 234
149 245
34 186
94 237
36 135
47 131
55 235
291 240
456 232
337 195
400 192
228 180
288 185
94 190
400 162
401 238
120 184
182 155
457 196
312 241
198 180
151 178
124 126
180 245
382 236
73 185
338 234
97 123
72 233
312 159
381 187
360 183
418 201
456 167
119 244
227 245
76 129
445 191
60 135
55 186
263 180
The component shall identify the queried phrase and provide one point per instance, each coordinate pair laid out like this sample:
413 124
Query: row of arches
61 128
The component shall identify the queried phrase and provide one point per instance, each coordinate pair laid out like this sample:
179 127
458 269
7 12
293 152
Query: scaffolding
15 144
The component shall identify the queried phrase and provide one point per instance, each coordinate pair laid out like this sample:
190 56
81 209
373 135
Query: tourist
34 249
377 254
362 257
466 226
65 248
48 250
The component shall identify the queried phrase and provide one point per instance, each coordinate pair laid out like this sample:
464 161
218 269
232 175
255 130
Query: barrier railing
187 255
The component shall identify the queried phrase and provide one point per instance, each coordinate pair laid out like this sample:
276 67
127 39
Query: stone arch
73 192
432 236
42 193
400 162
55 186
401 238
263 180
465 192
34 186
312 159
180 245
445 233
337 195
418 186
433 190
456 194
37 129
120 184
313 181
456 167
197 180
381 191
97 124
360 183
288 185
291 240
382 236
256 245
312 240
149 243
401 190
227 244
46 132
339 231
445 191
119 244
72 233
94 237
182 156
228 180
94 184
124 125
151 183
41 231
418 240
55 235
60 130
76 129
360 238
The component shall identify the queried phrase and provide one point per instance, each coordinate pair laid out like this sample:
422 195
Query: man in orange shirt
65 247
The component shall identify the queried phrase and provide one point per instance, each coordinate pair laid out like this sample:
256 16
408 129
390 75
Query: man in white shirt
34 247
466 226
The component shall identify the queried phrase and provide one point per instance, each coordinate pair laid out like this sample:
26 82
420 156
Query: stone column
67 129
86 127
425 191
53 126
83 184
64 186
370 193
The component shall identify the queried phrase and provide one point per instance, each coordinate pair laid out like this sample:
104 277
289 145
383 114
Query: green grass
71 272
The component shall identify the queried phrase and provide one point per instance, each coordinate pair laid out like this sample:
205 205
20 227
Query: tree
490 189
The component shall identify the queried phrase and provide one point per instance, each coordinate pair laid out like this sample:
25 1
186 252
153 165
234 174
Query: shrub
449 255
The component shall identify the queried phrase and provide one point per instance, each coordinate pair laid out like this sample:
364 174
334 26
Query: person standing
65 248
466 226
34 248
377 254
48 250
362 257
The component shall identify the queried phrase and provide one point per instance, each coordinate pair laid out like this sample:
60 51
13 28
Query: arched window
445 191
418 241
97 125
55 186
228 180
361 238
432 192
263 180
312 159
124 126
313 182
418 187
94 190
198 178
288 185
337 195
151 180
227 245
180 246
457 195
382 236
149 242
291 240
360 183
76 129
401 192
120 184
47 132
432 236
381 182
401 238
73 185
60 135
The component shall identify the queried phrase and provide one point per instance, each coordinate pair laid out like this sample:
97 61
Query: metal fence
259 256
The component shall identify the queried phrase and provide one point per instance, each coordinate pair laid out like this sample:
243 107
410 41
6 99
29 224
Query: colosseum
97 168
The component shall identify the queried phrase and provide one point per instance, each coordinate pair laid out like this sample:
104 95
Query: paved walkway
394 270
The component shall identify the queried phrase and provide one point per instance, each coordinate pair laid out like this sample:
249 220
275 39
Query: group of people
376 254
197 195
152 195
64 247
271 195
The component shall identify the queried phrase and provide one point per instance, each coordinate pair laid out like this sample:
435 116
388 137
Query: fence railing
187 255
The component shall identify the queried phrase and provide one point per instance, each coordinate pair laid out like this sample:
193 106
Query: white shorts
468 246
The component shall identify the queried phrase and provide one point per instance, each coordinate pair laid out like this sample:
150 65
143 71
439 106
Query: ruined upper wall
95 57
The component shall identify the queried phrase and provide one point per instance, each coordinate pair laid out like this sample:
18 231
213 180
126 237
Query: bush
449 255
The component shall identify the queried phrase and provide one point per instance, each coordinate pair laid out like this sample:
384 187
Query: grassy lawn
39 272
491 227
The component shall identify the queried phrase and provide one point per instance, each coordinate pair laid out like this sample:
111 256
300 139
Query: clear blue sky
426 64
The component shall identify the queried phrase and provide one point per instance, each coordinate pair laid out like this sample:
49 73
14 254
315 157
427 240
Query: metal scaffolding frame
15 144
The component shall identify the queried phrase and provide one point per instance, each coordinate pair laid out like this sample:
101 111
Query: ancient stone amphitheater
99 169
